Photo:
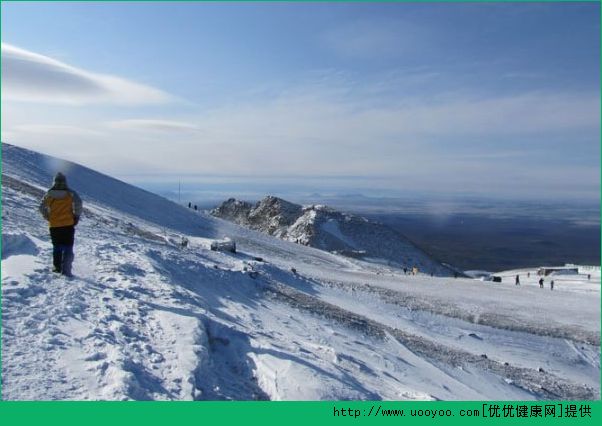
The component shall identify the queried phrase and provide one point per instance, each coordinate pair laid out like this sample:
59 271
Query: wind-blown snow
145 318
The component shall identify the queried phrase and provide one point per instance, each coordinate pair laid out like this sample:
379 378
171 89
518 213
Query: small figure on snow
552 285
189 205
62 208
528 274
517 280
541 283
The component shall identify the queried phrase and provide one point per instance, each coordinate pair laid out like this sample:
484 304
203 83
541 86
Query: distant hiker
195 207
528 274
517 280
189 205
62 208
405 271
541 283
552 285
589 277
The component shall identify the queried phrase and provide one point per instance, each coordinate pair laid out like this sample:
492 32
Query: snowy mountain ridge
146 318
330 230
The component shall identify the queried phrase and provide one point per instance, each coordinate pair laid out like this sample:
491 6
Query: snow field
144 318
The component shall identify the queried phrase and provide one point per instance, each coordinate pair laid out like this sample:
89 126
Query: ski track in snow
145 319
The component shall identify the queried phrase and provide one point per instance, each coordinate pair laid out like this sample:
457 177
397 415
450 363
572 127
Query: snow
329 230
18 244
482 275
147 319
332 227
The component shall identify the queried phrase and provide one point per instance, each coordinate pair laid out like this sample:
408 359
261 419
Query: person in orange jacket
62 208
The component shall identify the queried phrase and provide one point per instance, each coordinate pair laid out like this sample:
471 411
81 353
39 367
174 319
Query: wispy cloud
455 141
31 77
154 125
299 118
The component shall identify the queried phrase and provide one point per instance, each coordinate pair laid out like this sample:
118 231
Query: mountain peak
273 201
327 229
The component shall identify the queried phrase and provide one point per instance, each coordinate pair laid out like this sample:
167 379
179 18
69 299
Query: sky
495 99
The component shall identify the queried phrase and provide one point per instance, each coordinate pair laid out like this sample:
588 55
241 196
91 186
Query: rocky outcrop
328 229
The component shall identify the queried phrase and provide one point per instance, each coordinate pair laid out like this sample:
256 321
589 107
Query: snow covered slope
145 318
327 229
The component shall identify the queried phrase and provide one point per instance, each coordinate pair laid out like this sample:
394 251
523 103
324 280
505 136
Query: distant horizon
578 212
224 187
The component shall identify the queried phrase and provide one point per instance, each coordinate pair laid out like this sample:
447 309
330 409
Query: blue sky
485 99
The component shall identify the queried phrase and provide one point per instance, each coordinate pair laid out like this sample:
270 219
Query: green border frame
297 413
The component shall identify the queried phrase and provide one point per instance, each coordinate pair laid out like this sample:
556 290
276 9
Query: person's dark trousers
62 254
